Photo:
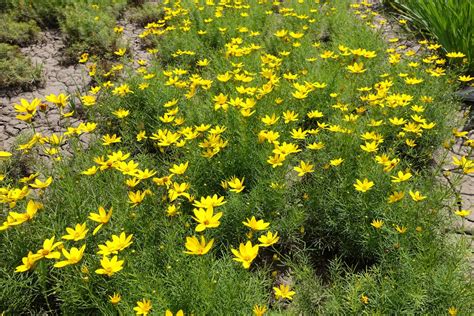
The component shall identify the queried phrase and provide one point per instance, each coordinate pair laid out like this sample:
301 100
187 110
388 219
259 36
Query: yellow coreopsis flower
118 243
259 310
417 196
236 184
246 253
283 291
178 189
401 176
141 136
115 299
210 201
466 78
179 169
377 223
276 160
370 147
455 55
120 52
364 299
121 113
463 213
137 197
40 184
5 154
164 181
224 77
102 217
84 57
77 233
363 186
48 249
400 229
88 100
172 210
255 225
316 146
206 218
60 100
291 116
27 109
110 139
304 168
413 81
91 171
31 209
110 266
268 239
28 262
270 120
143 307
452 311
336 162
196 247
396 196
356 68
72 257
466 164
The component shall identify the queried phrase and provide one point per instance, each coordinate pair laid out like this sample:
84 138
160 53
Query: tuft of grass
16 70
449 22
86 27
145 13
17 32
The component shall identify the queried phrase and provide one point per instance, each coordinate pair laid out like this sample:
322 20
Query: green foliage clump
86 26
15 32
177 132
449 22
16 70
145 13
89 28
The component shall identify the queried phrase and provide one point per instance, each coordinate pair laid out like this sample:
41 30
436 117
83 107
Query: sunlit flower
210 201
417 196
268 239
259 310
463 213
121 113
143 307
255 225
48 250
283 291
401 176
196 247
77 233
72 257
377 223
115 299
304 168
236 184
206 218
246 253
28 262
110 266
38 184
363 186
102 218
400 229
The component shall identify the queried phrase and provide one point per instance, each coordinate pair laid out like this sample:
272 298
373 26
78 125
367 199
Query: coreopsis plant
287 128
